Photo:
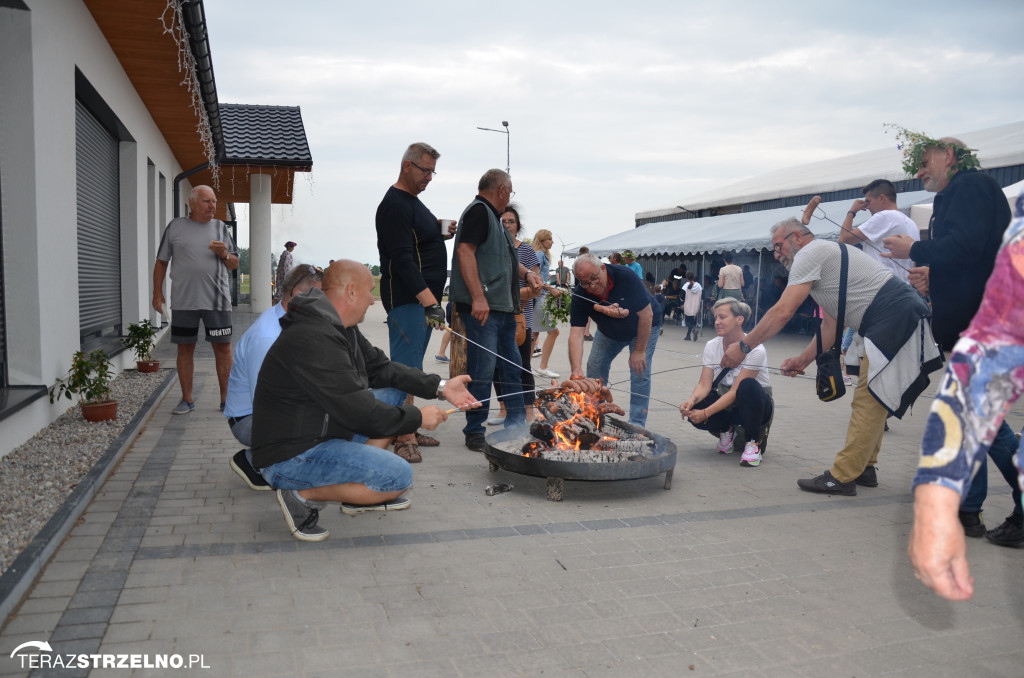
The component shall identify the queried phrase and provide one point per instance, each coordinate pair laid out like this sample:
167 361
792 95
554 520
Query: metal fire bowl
663 461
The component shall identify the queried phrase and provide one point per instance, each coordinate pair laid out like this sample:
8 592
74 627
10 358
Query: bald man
319 431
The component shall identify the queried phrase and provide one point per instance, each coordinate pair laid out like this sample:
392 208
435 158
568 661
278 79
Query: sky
612 108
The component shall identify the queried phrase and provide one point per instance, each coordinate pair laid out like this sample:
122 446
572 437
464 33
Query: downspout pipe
177 185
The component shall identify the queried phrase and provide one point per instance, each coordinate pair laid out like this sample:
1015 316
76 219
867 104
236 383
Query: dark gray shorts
185 326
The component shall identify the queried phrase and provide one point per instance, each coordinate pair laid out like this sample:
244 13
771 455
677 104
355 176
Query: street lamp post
508 143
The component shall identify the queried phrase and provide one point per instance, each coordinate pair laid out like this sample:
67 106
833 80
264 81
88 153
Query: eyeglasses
591 282
511 193
423 169
310 273
778 246
509 222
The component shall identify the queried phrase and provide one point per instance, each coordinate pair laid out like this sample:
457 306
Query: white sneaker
545 372
496 421
725 441
751 455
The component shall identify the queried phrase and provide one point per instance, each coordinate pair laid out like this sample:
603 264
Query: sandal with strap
408 450
426 441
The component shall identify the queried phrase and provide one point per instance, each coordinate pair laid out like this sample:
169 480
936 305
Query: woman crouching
738 401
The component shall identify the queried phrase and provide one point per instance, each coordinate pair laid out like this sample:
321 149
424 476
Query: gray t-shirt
200 280
818 263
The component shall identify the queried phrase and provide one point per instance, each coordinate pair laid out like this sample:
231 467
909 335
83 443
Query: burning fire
579 428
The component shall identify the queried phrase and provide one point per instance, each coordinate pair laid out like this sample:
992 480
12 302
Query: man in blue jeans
318 428
626 315
485 291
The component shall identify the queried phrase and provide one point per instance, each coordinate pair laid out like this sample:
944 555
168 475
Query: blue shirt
249 353
628 291
636 268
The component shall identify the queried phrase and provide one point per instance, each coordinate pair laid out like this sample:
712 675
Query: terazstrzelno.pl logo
39 655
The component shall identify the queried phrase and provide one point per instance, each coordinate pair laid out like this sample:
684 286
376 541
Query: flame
565 431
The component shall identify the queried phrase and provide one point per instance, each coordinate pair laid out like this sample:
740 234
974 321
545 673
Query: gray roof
264 135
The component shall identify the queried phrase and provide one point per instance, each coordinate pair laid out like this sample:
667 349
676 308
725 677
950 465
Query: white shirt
757 359
882 225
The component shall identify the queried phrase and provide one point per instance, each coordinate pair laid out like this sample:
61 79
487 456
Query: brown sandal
408 450
426 441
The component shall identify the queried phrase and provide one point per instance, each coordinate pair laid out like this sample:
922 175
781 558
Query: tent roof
742 231
997 147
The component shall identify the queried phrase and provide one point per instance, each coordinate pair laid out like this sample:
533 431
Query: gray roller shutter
99 226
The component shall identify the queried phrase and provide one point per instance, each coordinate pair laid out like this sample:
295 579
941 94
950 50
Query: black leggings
752 409
526 354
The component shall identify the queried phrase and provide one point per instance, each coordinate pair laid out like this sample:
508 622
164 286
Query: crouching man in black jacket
318 428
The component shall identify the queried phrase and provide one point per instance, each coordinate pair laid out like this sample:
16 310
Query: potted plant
89 377
140 340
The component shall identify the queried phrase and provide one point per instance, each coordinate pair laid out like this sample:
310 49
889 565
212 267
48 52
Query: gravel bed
38 476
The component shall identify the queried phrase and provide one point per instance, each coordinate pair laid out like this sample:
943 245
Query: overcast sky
613 108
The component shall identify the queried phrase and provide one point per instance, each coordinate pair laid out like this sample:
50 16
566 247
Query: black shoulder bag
829 382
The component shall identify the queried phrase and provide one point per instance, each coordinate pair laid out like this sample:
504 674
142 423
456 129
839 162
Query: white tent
735 232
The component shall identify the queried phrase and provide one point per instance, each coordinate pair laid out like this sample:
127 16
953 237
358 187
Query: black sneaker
240 464
476 442
302 518
1010 533
869 478
973 524
827 484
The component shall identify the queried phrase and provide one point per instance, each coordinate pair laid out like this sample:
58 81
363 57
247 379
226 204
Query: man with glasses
899 351
249 353
624 312
413 269
485 290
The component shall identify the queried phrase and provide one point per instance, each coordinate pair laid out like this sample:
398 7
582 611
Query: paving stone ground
732 572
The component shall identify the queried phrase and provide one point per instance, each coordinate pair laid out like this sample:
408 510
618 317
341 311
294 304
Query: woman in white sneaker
744 393
542 322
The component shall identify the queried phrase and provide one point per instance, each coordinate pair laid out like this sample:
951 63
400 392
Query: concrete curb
19 577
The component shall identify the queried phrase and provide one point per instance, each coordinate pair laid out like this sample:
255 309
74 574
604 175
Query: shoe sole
1006 544
751 464
177 411
863 484
840 493
245 477
396 505
301 536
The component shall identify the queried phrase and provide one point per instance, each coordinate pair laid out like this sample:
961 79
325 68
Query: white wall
39 52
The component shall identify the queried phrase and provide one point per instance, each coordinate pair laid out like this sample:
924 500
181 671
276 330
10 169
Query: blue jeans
1004 447
337 461
408 334
603 351
498 335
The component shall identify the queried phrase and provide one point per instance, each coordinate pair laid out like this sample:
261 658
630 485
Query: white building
95 125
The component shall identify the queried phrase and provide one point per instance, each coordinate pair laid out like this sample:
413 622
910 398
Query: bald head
349 287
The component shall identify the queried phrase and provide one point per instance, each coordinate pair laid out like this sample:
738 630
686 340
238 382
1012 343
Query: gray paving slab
733 571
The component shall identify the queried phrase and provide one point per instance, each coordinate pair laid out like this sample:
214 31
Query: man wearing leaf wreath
969 217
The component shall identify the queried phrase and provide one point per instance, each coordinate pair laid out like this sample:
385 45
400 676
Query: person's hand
457 393
158 302
937 548
638 361
219 248
435 316
432 416
791 367
612 311
898 246
453 226
480 310
733 356
686 408
858 205
534 282
918 278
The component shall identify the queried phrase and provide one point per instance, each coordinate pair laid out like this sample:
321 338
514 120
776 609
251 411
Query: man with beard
886 312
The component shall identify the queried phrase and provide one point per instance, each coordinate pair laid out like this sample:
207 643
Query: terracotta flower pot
100 411
148 365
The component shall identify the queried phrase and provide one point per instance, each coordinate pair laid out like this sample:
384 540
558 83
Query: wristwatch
744 347
440 388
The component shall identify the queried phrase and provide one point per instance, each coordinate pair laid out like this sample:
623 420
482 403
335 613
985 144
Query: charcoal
543 431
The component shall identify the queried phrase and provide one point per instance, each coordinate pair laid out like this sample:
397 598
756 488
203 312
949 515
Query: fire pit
577 439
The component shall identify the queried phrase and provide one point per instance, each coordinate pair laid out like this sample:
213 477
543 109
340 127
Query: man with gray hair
201 254
249 353
413 269
626 315
899 351
485 290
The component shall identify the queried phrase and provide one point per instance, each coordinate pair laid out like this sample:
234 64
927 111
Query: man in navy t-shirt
625 315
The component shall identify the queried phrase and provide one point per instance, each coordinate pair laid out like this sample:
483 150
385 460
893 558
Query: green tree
243 260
